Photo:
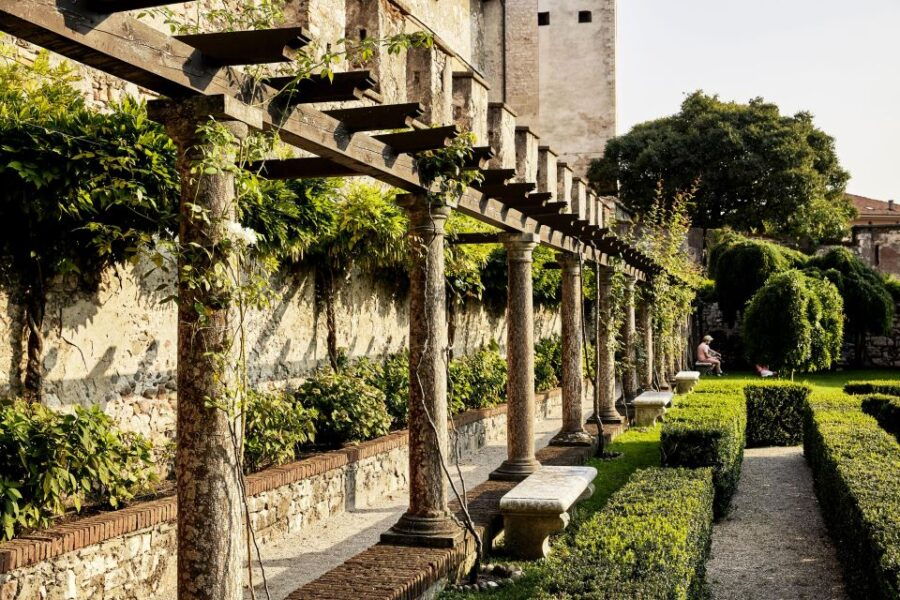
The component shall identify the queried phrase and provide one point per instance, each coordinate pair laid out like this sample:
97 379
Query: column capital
569 261
519 246
424 214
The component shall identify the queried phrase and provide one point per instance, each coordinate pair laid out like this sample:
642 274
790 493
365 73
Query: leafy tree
741 265
358 227
754 169
794 322
868 304
80 187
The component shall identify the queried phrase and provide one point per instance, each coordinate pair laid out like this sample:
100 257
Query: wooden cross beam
299 168
419 140
114 6
378 117
256 47
508 191
496 176
548 209
480 157
341 87
479 237
531 201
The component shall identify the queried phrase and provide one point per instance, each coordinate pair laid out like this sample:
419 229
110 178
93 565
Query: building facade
875 233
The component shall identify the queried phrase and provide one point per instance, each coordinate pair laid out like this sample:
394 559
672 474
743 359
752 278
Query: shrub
886 410
707 430
642 544
547 363
391 376
478 380
50 461
856 466
276 426
348 409
775 413
794 322
743 265
878 386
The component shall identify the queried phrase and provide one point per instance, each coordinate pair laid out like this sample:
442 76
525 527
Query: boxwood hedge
856 471
878 386
885 409
650 541
708 430
775 413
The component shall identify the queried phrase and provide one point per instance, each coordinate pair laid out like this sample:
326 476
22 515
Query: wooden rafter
419 140
508 191
341 87
114 6
300 168
478 237
378 117
255 47
497 176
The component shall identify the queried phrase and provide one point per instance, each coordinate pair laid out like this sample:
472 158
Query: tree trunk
35 308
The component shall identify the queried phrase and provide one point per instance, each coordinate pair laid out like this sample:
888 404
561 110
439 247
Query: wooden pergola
199 75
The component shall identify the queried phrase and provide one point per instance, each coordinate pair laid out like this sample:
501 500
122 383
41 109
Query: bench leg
528 535
646 416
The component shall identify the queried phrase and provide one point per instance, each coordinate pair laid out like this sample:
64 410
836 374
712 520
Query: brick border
55 541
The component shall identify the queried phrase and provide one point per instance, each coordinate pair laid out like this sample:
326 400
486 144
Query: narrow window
543 18
584 16
363 34
877 254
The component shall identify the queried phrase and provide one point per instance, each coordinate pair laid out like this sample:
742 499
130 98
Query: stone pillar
428 521
629 342
606 350
572 432
210 527
645 325
520 461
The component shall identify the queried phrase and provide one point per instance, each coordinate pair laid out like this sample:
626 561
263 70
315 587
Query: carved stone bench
686 380
539 505
703 367
650 406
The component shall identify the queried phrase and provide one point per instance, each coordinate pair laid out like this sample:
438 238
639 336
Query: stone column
428 521
210 526
629 341
645 324
572 432
520 461
606 350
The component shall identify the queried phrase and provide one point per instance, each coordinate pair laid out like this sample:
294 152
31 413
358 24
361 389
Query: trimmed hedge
885 409
856 471
890 387
651 540
708 430
775 413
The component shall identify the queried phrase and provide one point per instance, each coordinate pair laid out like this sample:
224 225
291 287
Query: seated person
764 371
705 354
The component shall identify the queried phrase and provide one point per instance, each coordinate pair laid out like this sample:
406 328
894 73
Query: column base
612 418
514 470
427 532
572 438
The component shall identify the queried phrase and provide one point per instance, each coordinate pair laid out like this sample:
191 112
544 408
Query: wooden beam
480 156
114 6
497 176
379 117
507 191
531 201
479 237
300 168
254 47
342 87
419 140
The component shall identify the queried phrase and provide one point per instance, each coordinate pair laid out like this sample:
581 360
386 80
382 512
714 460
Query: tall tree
754 169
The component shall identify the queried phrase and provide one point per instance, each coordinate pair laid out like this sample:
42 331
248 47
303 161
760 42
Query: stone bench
703 367
539 505
686 380
650 406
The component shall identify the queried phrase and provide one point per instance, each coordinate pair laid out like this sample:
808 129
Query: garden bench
650 406
538 506
703 367
686 380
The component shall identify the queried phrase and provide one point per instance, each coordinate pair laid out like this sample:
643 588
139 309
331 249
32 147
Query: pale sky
839 60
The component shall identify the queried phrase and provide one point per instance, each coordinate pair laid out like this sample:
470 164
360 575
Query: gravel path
299 559
774 544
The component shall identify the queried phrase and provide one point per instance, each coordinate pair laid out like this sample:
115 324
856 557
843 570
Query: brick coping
54 541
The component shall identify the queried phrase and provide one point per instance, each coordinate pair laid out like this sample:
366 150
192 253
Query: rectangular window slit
585 16
543 18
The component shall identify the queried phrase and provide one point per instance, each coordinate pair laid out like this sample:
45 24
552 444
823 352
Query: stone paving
774 543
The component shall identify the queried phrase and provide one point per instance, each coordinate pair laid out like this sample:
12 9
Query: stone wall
116 347
130 554
878 246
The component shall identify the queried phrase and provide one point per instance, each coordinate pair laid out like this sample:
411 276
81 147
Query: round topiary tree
743 266
794 322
